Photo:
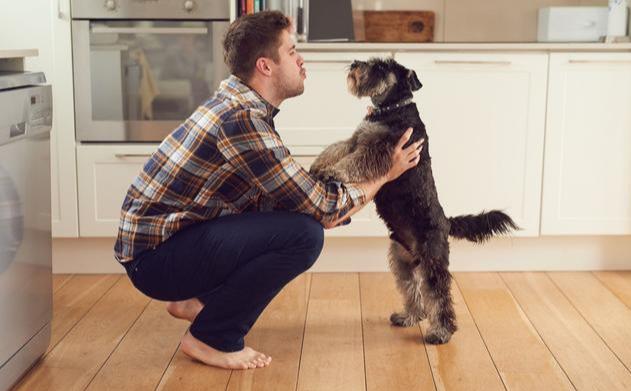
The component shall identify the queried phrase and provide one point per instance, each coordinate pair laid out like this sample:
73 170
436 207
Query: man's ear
262 65
415 83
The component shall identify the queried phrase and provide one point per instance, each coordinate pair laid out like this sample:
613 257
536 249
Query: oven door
138 80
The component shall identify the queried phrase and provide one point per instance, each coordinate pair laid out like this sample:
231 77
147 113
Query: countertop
529 46
18 53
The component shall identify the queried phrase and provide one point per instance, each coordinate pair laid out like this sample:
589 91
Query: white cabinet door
485 117
366 222
326 112
105 172
45 25
587 174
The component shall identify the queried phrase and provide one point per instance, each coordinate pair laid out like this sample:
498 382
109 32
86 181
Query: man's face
288 74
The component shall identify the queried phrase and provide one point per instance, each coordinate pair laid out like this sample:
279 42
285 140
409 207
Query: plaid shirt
225 158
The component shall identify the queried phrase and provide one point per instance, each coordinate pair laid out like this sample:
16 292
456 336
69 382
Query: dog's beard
357 86
351 83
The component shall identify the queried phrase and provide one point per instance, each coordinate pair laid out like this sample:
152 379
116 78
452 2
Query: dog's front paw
401 319
437 336
329 174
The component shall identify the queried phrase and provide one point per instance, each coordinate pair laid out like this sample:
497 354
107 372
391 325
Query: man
221 216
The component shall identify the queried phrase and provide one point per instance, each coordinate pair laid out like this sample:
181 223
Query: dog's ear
415 83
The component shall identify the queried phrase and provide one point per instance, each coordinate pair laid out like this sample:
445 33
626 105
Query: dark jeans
234 264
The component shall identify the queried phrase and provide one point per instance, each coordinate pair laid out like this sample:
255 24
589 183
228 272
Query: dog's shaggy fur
419 230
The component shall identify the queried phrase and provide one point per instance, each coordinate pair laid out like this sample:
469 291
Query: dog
419 230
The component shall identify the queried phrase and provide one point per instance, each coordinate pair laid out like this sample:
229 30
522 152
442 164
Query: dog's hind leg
408 281
436 289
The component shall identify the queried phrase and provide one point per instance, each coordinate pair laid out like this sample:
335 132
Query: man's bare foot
247 358
186 309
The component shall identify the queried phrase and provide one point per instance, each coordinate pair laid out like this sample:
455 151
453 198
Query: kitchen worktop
18 53
13 60
528 46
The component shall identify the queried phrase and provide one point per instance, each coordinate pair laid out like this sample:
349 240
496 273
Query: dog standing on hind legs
419 229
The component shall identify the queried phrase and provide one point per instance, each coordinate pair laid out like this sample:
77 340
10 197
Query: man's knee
311 239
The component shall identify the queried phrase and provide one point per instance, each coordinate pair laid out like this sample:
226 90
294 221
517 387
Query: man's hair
251 37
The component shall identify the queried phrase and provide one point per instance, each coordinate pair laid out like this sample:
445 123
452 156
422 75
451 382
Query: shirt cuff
356 194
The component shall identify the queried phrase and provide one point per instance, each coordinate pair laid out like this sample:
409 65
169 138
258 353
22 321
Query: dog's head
383 80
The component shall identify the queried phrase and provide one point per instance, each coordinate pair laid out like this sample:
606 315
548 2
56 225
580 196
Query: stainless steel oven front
141 67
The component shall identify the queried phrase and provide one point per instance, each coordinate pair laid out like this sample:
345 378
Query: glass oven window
151 70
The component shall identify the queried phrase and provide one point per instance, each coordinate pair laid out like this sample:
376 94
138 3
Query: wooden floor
528 331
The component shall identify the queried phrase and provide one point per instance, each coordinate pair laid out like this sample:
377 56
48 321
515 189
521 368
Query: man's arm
402 160
255 150
370 189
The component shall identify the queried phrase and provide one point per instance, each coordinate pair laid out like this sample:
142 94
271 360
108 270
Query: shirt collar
234 88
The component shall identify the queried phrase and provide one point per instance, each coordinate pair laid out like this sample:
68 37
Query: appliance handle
148 30
62 13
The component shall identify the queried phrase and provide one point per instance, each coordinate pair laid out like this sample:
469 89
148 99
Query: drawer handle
473 62
600 61
125 155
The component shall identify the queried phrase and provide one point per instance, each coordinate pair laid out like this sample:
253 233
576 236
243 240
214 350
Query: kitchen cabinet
366 222
587 172
485 118
326 112
106 172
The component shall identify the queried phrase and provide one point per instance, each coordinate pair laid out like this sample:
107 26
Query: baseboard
95 255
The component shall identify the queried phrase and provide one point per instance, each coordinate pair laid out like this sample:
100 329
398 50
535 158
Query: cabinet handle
473 62
330 61
124 155
599 61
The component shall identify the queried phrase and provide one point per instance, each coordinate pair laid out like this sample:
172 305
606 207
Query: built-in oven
141 67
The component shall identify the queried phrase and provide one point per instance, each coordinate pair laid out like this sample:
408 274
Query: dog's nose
355 64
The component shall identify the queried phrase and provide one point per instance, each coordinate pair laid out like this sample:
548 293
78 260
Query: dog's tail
481 227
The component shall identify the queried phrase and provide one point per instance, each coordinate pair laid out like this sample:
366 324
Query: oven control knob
189 5
110 5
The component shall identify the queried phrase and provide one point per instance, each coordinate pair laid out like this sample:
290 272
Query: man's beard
287 91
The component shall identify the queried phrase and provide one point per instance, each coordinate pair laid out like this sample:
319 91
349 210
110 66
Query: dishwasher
25 223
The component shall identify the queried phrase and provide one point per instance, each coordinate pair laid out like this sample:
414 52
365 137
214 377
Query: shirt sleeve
251 145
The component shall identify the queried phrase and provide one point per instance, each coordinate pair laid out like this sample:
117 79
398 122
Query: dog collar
401 103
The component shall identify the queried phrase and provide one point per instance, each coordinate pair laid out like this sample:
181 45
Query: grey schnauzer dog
419 229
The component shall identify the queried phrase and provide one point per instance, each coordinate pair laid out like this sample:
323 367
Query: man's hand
332 224
404 159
